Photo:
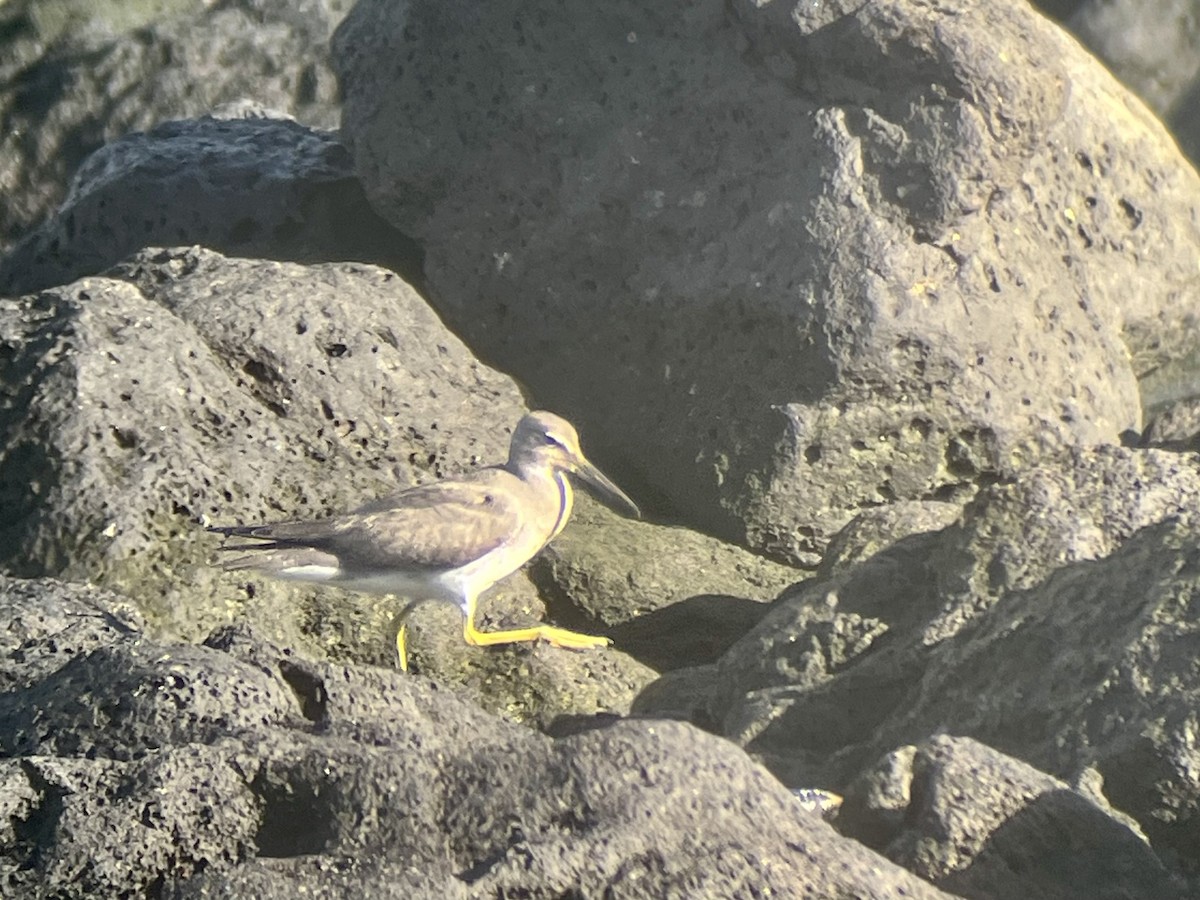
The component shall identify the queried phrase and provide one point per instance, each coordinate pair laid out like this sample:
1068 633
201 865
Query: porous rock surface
848 254
76 74
176 770
669 596
184 388
249 185
785 264
187 388
1055 622
981 824
1153 46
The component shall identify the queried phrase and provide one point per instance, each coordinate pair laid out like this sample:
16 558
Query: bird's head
550 443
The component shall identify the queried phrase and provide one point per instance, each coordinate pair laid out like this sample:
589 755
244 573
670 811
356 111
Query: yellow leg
402 632
402 646
556 637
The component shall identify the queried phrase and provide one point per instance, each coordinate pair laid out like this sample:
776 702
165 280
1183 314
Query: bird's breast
566 502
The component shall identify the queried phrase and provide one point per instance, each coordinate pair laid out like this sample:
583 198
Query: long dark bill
606 490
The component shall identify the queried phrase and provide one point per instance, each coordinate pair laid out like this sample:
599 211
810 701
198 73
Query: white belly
458 586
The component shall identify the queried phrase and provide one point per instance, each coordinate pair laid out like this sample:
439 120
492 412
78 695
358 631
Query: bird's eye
552 441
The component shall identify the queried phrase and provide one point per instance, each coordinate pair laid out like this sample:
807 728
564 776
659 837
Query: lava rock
252 186
849 254
76 75
273 771
981 824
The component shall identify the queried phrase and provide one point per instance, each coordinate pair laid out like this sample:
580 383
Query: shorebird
450 540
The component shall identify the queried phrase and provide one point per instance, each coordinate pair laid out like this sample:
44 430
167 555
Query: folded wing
438 526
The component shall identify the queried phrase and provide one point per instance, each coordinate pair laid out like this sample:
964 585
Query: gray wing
441 525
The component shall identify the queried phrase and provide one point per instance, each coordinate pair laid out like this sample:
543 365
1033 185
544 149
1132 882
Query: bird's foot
572 640
556 637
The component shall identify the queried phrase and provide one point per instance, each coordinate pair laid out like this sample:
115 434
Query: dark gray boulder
187 388
250 186
843 255
75 74
1154 48
1176 427
271 772
981 824
789 266
669 596
1054 622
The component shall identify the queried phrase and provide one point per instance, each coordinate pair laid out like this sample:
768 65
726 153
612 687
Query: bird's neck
566 496
551 483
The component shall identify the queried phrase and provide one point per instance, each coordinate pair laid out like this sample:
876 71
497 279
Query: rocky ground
886 314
